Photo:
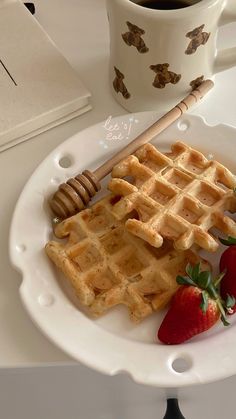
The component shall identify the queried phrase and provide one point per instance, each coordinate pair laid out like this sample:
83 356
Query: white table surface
80 30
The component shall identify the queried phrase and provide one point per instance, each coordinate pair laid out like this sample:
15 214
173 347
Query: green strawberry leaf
189 270
204 279
196 271
230 301
224 321
218 279
231 241
184 280
193 271
204 302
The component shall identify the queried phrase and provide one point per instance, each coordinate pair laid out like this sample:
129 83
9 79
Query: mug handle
226 58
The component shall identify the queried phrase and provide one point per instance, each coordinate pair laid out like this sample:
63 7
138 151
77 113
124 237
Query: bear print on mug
196 82
134 38
119 85
164 76
197 38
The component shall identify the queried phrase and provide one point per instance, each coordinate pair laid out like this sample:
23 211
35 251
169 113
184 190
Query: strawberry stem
222 311
219 278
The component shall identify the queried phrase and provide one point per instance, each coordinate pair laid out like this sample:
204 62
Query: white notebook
38 87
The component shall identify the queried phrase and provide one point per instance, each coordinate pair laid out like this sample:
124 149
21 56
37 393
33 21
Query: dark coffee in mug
165 4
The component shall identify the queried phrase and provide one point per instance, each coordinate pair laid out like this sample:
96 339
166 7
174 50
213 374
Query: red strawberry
228 265
195 308
185 318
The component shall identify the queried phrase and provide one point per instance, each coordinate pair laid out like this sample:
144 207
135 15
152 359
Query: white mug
158 56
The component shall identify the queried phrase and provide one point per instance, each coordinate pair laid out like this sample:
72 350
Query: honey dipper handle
156 128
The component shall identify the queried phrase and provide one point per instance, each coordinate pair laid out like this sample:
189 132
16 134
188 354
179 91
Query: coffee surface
164 4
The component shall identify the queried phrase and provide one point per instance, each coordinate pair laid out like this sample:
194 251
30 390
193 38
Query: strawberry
195 307
228 265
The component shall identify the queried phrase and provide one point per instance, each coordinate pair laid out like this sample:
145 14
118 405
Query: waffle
179 196
108 266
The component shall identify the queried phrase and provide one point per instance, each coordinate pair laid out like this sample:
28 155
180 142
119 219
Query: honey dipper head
74 195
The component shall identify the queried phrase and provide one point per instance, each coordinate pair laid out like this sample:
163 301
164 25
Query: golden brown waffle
108 266
179 196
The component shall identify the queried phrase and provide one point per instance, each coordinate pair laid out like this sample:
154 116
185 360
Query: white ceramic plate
113 344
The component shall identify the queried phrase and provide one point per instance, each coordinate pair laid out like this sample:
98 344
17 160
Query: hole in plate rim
181 363
65 161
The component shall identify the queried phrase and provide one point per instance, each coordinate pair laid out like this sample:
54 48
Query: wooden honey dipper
73 196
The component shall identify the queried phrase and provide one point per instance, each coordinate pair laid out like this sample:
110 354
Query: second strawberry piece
228 265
